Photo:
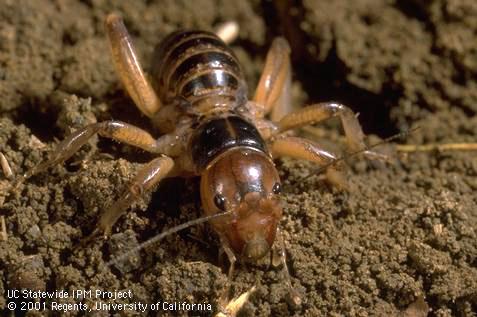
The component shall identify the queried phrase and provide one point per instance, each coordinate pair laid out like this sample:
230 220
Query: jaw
256 248
255 226
251 238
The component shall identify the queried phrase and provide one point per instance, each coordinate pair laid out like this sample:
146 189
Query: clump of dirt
398 63
403 241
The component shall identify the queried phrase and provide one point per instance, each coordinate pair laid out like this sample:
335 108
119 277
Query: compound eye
219 201
277 188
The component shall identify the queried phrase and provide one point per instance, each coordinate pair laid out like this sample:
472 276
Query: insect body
198 99
199 75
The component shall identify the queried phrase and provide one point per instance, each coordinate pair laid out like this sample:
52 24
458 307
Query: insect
198 99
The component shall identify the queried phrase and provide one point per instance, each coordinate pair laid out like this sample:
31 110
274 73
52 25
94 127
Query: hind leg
128 67
273 90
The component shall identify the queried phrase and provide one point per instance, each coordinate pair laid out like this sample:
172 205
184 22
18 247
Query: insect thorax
197 66
218 135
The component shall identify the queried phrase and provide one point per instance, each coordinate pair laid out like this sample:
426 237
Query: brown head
244 181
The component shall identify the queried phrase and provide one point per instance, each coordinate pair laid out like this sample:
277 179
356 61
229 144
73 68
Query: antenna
166 233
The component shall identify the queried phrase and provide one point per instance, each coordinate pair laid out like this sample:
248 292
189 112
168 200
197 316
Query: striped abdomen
197 65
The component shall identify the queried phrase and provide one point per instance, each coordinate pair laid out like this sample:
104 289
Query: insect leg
128 67
149 176
308 150
116 130
273 89
321 111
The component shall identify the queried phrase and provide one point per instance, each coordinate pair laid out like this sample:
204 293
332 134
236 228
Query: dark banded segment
196 65
212 59
211 82
174 45
195 42
218 135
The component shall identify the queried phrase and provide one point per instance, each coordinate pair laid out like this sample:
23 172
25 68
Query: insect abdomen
195 65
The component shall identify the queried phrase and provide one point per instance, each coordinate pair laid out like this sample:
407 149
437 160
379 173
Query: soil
401 242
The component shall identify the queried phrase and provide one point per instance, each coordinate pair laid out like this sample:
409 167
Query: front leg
149 176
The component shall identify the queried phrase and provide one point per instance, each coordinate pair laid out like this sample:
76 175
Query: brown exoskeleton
198 99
